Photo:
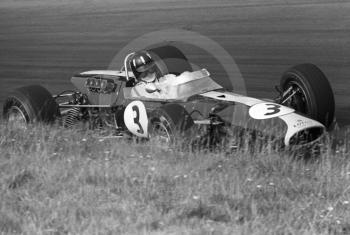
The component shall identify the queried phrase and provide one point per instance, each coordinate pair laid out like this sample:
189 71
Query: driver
145 67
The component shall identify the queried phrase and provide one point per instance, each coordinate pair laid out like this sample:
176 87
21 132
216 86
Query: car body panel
170 88
199 95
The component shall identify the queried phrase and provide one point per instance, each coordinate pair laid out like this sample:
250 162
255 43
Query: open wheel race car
183 104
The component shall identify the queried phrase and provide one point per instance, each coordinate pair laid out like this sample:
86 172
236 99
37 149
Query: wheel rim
299 100
160 133
16 117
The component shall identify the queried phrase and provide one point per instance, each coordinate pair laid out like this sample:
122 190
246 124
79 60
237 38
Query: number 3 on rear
135 119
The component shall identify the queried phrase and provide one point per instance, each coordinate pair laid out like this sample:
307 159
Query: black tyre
30 104
310 93
170 123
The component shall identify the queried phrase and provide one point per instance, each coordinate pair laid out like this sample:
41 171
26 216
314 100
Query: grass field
59 181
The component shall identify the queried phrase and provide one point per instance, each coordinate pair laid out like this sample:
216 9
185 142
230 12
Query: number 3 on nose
268 110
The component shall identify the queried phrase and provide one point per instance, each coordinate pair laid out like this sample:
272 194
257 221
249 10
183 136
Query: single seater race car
182 104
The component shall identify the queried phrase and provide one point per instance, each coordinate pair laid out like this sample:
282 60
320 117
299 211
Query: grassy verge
70 182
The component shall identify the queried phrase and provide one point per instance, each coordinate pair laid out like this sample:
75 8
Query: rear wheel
16 116
307 90
30 104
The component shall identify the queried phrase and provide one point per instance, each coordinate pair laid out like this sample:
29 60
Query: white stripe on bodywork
107 72
229 96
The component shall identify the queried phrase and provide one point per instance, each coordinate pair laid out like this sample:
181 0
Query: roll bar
126 65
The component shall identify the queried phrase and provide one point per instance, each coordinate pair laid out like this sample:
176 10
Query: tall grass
60 181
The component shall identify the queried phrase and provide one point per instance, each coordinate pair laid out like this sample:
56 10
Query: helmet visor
145 67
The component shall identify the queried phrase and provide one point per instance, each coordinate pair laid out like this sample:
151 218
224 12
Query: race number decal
135 118
268 110
273 108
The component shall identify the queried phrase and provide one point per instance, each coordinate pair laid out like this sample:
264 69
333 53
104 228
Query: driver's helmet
142 62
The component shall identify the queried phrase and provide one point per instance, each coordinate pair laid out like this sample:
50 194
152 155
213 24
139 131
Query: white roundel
135 119
268 110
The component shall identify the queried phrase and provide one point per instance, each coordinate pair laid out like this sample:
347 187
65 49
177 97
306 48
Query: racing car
182 104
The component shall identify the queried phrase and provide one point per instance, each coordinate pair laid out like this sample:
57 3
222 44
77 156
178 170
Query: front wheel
307 90
169 124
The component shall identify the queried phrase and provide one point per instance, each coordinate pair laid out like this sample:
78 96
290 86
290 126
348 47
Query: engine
100 85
